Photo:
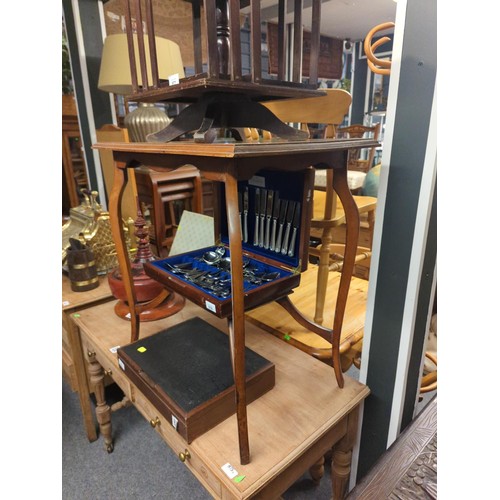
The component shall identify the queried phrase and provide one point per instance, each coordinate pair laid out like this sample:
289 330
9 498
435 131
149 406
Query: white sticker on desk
174 422
114 349
210 306
229 470
66 303
121 364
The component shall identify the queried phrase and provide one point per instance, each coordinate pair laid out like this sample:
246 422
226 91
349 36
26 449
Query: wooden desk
73 364
228 163
291 426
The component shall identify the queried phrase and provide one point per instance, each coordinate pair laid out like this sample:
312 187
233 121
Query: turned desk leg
81 377
317 470
341 457
103 410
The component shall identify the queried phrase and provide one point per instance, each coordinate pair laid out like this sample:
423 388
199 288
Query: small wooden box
294 189
185 372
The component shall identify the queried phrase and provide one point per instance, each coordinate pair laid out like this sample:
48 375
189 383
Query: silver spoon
213 256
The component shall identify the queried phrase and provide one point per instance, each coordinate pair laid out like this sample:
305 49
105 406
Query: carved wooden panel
408 469
420 480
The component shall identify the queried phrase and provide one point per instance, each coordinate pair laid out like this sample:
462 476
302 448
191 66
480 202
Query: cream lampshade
115 77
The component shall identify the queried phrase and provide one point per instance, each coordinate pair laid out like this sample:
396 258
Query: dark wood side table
228 163
73 362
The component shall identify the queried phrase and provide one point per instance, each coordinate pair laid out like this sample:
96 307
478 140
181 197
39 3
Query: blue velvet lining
194 258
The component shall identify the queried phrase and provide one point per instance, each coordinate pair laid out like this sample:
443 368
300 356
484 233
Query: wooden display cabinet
73 161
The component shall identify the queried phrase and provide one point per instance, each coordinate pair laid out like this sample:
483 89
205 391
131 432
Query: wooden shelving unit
73 161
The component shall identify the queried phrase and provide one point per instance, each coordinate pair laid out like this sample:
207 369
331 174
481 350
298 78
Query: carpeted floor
141 466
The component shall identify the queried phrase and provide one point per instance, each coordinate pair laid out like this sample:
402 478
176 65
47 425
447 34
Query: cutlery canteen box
185 372
275 213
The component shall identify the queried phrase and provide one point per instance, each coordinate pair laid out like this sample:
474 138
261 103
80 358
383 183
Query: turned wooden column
317 470
342 455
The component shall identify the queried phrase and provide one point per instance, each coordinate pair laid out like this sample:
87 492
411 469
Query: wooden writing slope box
185 371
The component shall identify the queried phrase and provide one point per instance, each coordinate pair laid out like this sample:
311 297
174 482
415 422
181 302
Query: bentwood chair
357 166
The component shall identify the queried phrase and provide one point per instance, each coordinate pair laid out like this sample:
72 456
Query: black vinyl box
185 372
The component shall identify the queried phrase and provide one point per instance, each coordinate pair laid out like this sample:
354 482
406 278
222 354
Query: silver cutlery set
217 278
276 221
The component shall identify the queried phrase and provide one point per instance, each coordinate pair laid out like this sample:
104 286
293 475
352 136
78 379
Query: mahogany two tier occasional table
229 163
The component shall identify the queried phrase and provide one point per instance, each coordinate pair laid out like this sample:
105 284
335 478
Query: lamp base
146 290
171 305
146 119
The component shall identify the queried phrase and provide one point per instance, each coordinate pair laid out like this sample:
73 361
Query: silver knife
240 203
276 213
269 213
263 195
295 225
257 208
289 217
245 215
283 207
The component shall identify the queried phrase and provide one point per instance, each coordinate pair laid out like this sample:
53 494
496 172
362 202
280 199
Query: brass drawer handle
108 372
90 353
184 456
154 422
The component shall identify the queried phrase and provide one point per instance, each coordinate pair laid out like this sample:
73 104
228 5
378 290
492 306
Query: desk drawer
177 443
109 364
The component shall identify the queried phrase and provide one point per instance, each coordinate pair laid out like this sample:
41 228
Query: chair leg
323 270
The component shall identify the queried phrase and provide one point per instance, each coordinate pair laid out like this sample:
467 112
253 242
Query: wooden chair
311 297
357 166
328 111
166 195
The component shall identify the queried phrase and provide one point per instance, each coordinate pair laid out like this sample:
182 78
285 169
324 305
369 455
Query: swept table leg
237 332
352 235
288 305
115 218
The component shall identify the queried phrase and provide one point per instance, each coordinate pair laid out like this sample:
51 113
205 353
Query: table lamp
115 76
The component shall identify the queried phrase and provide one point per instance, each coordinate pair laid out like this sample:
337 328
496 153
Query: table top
283 423
364 204
238 149
72 300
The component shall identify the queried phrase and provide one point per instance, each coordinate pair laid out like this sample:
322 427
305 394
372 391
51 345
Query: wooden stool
167 195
